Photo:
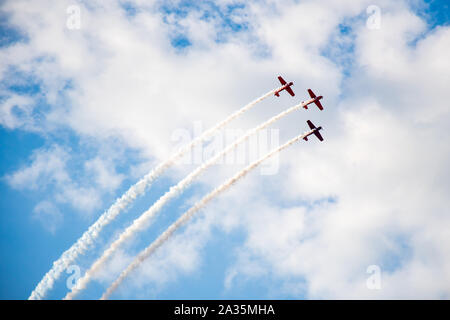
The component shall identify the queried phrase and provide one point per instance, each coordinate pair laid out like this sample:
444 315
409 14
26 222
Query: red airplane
286 86
314 131
314 99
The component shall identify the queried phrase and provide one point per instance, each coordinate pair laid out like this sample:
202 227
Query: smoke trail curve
139 222
89 236
189 213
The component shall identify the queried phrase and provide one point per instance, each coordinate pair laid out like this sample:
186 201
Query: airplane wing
318 135
311 93
318 104
310 124
281 80
288 89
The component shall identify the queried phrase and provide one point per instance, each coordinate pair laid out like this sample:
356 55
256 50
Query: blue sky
83 153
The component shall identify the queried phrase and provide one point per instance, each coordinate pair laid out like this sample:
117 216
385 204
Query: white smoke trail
121 203
139 223
188 214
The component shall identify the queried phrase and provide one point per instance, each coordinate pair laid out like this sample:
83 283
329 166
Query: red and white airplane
286 86
314 131
314 99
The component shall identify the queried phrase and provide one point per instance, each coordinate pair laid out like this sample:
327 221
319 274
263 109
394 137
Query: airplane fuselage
277 93
307 102
311 132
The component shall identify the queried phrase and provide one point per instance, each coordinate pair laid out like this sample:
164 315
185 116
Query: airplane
314 99
314 131
286 86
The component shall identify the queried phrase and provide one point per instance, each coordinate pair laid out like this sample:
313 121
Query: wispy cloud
48 215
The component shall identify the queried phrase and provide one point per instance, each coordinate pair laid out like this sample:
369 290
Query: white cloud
48 215
49 173
11 108
384 162
105 174
47 166
84 199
